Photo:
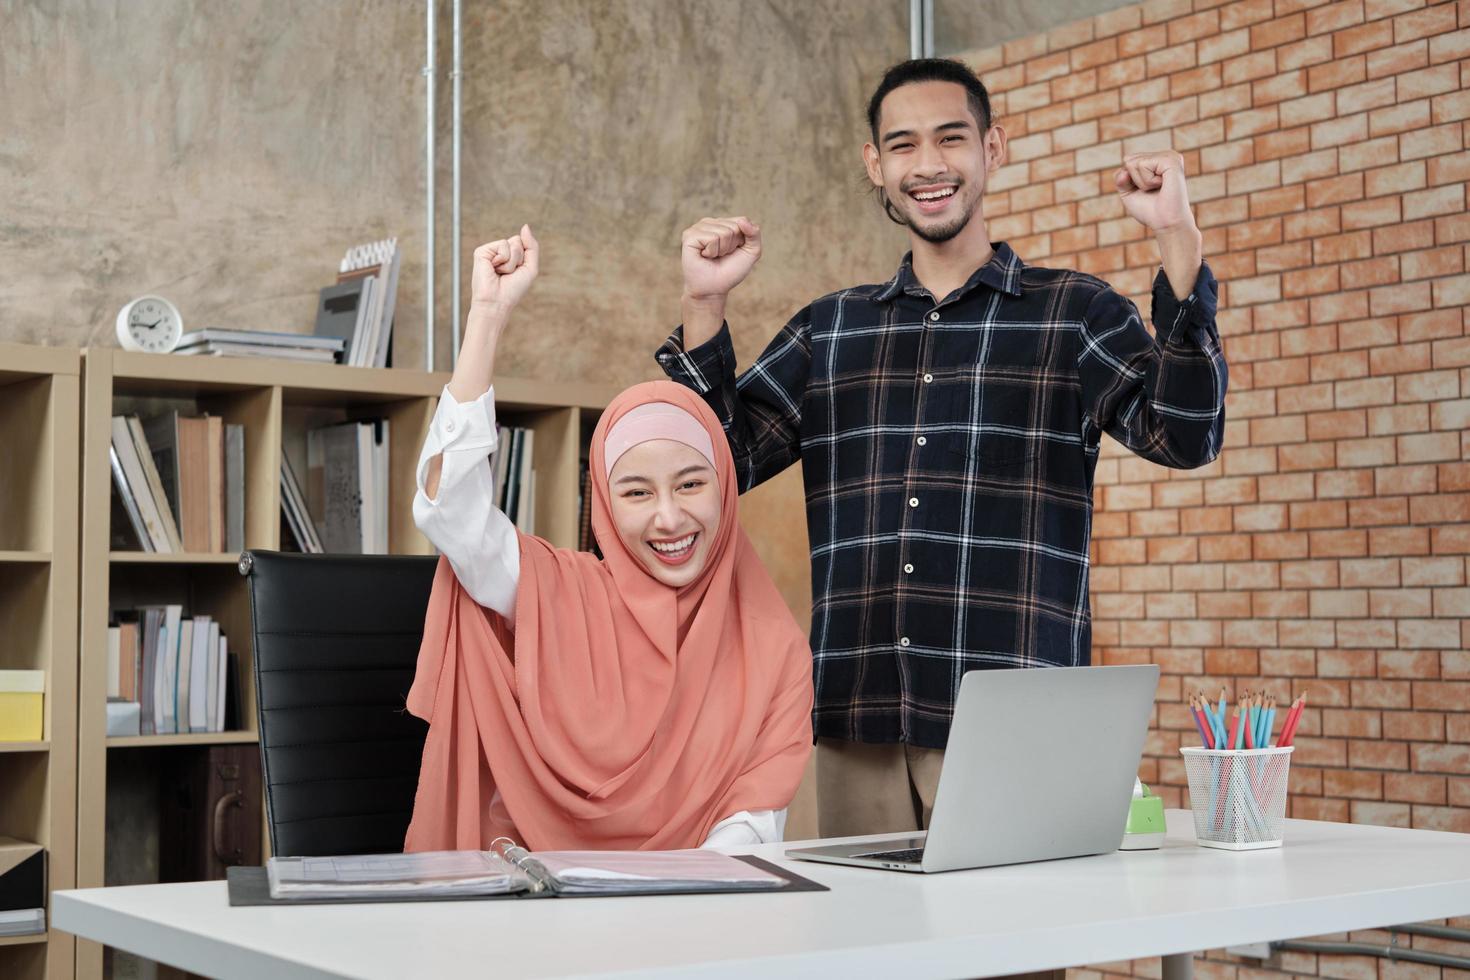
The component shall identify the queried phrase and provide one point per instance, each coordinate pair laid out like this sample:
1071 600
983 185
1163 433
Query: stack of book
342 507
515 480
258 343
167 674
358 309
179 484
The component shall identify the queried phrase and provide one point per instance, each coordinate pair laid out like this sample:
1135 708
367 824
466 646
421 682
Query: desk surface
1327 878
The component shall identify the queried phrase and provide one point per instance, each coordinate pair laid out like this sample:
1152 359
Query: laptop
1040 765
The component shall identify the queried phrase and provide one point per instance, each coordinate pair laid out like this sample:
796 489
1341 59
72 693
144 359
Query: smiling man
948 424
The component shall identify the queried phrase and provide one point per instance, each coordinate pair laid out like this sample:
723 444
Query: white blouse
480 543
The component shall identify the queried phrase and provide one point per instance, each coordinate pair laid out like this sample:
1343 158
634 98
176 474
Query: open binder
505 871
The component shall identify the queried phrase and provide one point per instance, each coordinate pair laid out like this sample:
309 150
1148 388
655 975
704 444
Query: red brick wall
1325 550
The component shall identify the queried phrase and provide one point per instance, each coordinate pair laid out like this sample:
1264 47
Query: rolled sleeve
702 368
1173 317
747 827
461 519
465 433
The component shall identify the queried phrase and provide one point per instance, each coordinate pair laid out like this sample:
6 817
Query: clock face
150 324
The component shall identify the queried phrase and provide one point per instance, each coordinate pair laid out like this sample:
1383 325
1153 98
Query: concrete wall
225 155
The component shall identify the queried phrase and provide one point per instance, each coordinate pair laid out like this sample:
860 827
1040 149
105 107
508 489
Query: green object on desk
1145 829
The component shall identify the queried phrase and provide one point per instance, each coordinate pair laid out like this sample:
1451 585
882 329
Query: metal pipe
431 59
928 28
1438 932
916 28
1372 949
455 249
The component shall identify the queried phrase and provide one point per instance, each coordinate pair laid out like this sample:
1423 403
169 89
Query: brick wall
1325 550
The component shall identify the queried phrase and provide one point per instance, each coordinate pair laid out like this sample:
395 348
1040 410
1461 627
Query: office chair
336 638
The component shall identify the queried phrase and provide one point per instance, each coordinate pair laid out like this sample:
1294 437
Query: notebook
505 871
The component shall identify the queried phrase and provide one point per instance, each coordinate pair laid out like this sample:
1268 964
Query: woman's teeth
673 547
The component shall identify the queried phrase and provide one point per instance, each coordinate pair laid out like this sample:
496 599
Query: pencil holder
1238 796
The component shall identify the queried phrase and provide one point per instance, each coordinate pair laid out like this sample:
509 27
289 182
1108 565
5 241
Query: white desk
1328 878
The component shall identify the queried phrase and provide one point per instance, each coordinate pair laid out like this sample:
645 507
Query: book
214 432
206 638
507 868
128 661
334 486
128 532
366 311
347 485
154 481
214 710
150 618
184 663
166 680
259 338
221 349
22 922
114 663
294 509
337 315
234 487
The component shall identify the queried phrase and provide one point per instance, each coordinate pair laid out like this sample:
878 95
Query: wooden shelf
193 738
25 557
277 402
41 746
172 558
40 403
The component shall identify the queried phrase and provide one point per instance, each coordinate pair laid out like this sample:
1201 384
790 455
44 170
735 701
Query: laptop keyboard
910 855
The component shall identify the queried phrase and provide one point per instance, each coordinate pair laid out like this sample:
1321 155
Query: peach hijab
621 713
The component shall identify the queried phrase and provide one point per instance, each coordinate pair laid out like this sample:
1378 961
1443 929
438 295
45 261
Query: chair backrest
336 638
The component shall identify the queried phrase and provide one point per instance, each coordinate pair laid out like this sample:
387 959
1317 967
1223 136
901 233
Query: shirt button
922 441
913 501
934 315
449 425
908 569
928 378
903 641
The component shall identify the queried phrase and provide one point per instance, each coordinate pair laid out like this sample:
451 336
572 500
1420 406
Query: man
948 423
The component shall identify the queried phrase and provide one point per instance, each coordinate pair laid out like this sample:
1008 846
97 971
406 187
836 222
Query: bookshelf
39 406
277 402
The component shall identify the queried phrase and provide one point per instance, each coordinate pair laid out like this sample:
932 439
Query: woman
660 698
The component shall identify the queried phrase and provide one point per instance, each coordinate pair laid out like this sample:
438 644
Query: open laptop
1040 765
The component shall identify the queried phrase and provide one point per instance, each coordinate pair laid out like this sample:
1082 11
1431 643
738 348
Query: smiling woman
583 703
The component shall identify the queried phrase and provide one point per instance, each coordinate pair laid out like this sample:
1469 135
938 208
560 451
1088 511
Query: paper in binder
508 869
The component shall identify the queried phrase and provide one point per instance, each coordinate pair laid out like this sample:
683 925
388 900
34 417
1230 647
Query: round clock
151 324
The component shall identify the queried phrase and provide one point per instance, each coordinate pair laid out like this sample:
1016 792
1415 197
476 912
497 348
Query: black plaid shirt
948 451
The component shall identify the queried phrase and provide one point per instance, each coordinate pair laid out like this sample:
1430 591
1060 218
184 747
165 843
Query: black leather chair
336 638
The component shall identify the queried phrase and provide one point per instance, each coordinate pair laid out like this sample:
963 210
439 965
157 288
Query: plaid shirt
948 451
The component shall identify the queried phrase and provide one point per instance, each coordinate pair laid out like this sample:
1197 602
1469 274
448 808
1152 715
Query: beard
939 234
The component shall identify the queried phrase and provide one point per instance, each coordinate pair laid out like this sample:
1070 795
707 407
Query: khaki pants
874 789
878 789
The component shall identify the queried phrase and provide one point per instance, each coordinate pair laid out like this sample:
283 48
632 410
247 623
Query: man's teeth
934 195
673 547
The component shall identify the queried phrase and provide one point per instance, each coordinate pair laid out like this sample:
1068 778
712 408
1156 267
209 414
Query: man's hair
932 70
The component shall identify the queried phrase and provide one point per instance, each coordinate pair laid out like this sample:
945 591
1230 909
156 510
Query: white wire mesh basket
1238 796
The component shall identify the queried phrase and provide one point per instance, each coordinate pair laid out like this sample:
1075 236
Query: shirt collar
1002 272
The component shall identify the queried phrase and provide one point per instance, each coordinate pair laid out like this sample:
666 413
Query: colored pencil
1293 717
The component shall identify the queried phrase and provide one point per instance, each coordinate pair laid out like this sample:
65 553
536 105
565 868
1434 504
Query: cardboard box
22 693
